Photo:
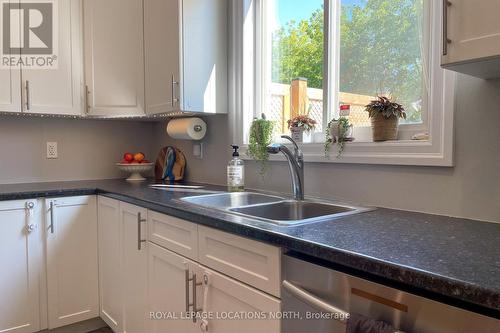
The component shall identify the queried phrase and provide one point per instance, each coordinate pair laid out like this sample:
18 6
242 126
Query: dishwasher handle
315 302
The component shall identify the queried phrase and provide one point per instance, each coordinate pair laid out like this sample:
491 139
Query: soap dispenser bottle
236 172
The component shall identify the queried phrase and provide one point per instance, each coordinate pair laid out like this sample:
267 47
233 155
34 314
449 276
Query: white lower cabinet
134 261
152 283
231 306
123 264
223 304
110 263
20 258
169 290
72 260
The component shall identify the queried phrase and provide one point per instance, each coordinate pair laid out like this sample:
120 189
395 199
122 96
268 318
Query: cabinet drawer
174 234
252 262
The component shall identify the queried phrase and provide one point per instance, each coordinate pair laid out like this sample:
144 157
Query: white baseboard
81 327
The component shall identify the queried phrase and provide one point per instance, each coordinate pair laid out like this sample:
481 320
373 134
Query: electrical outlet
51 150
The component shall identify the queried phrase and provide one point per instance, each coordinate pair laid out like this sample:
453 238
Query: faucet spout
296 164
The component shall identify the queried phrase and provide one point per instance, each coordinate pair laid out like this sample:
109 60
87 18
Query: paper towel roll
187 129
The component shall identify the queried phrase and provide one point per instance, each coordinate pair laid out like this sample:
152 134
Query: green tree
298 51
380 51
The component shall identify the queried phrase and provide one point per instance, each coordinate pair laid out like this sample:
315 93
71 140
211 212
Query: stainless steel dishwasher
318 299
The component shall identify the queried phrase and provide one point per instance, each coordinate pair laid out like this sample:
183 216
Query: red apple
128 157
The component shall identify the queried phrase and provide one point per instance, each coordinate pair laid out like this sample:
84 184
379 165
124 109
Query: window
315 57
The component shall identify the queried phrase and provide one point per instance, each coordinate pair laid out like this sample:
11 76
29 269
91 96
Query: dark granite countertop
452 260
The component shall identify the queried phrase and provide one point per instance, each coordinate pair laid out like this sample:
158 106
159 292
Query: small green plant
261 135
343 129
385 106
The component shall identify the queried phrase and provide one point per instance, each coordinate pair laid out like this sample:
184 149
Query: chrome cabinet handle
187 280
315 302
51 227
28 98
139 231
174 99
446 40
87 106
195 298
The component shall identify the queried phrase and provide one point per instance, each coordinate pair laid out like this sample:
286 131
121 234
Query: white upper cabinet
114 57
472 31
10 90
56 90
59 90
20 259
204 56
161 40
186 55
72 260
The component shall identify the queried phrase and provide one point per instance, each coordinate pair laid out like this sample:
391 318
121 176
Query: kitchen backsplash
87 149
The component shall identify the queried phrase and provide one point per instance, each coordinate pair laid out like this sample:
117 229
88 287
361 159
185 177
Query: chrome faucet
296 163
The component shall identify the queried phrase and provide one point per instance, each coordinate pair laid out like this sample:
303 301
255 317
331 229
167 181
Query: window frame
246 97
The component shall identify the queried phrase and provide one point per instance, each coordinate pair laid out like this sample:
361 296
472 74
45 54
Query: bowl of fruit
136 165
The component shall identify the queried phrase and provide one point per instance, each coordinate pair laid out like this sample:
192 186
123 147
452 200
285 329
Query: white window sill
401 152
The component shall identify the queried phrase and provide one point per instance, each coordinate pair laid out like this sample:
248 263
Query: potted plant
338 131
301 125
261 135
385 114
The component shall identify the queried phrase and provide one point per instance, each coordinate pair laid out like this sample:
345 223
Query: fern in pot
261 136
385 114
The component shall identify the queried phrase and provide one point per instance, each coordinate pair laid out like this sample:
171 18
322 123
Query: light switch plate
198 150
52 150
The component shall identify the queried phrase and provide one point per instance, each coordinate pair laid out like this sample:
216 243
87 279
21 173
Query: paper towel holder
187 128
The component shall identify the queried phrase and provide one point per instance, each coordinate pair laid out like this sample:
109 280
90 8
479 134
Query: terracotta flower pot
384 128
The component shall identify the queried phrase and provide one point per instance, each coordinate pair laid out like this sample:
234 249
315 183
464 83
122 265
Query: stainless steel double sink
273 209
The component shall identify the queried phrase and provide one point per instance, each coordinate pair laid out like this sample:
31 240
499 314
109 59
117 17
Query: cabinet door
170 291
20 259
110 276
134 267
10 86
60 90
225 297
474 30
72 260
161 27
114 57
204 56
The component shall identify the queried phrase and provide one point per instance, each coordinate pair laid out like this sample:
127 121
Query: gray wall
471 189
87 149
